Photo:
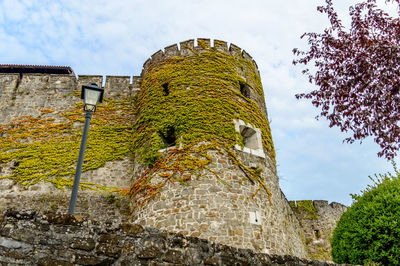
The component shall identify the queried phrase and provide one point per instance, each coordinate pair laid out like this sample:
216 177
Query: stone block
83 243
174 256
149 253
132 229
107 249
53 262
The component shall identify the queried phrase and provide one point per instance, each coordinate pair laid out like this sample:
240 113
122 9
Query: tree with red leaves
357 73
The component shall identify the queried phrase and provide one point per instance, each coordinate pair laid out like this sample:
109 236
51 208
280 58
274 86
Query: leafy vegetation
196 97
369 231
42 149
357 72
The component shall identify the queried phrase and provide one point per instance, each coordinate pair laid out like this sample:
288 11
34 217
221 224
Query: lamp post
91 95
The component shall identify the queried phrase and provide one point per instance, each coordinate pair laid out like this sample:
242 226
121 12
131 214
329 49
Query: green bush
369 231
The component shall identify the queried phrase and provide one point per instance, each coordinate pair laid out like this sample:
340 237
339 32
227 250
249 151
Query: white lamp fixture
91 95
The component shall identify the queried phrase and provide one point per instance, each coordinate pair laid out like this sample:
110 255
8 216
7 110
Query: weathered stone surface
174 256
108 249
53 262
87 259
88 244
83 243
132 228
149 253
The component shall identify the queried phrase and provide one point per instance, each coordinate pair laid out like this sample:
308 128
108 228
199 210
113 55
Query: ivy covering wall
43 149
193 100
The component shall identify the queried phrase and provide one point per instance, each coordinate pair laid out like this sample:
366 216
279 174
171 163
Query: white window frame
257 152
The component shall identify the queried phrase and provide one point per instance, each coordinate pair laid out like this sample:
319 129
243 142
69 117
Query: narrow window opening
169 138
317 234
249 137
245 90
165 89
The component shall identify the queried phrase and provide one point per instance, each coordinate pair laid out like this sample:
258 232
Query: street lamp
91 95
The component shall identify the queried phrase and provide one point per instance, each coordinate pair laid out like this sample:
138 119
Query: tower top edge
199 45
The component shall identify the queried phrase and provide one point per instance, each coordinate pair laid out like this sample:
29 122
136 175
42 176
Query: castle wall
49 96
318 220
223 210
47 239
27 94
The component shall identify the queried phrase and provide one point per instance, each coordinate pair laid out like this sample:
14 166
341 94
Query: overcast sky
115 38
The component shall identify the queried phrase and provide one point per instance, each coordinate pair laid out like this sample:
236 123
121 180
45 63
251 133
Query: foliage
357 74
305 206
197 97
369 231
43 149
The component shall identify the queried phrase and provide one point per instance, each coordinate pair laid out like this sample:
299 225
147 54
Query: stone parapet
193 46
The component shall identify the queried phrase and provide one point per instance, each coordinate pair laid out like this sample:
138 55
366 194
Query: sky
97 37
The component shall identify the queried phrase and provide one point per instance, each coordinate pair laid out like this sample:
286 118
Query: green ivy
197 96
45 150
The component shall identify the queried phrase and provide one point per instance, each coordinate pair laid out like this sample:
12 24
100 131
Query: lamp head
91 95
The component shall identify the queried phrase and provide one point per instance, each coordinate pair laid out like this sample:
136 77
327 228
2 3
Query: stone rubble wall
32 238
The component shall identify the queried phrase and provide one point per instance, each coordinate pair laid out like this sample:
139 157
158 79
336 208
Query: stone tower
204 157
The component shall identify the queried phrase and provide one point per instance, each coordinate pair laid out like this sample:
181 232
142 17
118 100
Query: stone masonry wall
318 220
27 94
208 209
31 238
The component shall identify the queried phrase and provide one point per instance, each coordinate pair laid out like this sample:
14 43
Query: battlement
195 46
45 80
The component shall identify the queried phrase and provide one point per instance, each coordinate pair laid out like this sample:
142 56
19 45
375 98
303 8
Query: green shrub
369 231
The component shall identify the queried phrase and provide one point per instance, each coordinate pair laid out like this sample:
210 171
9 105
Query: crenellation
246 55
146 65
171 51
136 80
203 44
65 82
117 86
221 46
187 47
157 56
235 50
88 79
